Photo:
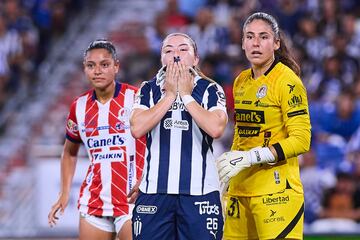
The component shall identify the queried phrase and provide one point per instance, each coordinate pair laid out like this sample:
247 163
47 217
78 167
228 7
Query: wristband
186 99
261 155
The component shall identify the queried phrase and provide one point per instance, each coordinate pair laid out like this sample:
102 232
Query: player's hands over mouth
186 80
171 79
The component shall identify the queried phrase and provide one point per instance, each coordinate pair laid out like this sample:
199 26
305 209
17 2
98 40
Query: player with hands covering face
180 111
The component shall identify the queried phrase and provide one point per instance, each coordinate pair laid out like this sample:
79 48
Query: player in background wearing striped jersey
272 127
181 111
99 118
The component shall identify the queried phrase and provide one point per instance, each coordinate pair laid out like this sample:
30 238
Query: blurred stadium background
41 49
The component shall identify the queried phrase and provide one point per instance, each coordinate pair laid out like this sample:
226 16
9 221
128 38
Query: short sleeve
72 129
142 97
216 98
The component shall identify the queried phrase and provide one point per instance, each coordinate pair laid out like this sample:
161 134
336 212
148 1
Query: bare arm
142 121
212 122
68 165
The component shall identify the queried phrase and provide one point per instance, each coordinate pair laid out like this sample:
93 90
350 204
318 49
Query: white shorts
107 224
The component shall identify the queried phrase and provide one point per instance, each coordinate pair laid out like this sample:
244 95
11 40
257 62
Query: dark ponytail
283 55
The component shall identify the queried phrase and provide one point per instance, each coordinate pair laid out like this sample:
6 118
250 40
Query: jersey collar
270 68
116 93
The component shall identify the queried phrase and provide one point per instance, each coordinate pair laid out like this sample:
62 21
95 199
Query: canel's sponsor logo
144 209
248 116
115 140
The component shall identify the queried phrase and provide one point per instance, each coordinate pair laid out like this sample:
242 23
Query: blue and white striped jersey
178 157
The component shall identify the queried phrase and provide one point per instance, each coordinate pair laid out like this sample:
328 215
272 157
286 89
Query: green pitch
333 237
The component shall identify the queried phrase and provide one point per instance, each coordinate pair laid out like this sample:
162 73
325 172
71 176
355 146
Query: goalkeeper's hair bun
102 44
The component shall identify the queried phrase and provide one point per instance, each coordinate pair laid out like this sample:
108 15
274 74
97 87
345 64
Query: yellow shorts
273 216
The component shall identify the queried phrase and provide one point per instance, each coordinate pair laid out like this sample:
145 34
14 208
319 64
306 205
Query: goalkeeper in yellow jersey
272 127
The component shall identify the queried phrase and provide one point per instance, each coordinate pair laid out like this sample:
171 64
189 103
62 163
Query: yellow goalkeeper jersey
271 110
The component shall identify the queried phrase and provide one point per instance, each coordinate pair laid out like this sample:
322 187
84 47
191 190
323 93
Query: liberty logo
137 226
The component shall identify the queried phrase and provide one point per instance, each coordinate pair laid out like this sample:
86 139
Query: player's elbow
216 132
217 127
307 140
307 146
136 131
304 141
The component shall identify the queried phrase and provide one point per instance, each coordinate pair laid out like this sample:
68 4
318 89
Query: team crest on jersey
72 126
137 226
124 114
261 92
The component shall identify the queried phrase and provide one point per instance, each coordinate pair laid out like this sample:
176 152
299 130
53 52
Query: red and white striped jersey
116 158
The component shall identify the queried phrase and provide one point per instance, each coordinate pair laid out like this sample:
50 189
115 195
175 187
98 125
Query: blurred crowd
324 38
27 29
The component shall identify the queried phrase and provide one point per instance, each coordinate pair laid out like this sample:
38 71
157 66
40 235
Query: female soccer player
99 118
272 127
181 111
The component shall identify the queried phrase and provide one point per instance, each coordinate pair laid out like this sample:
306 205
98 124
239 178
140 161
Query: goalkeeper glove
231 163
